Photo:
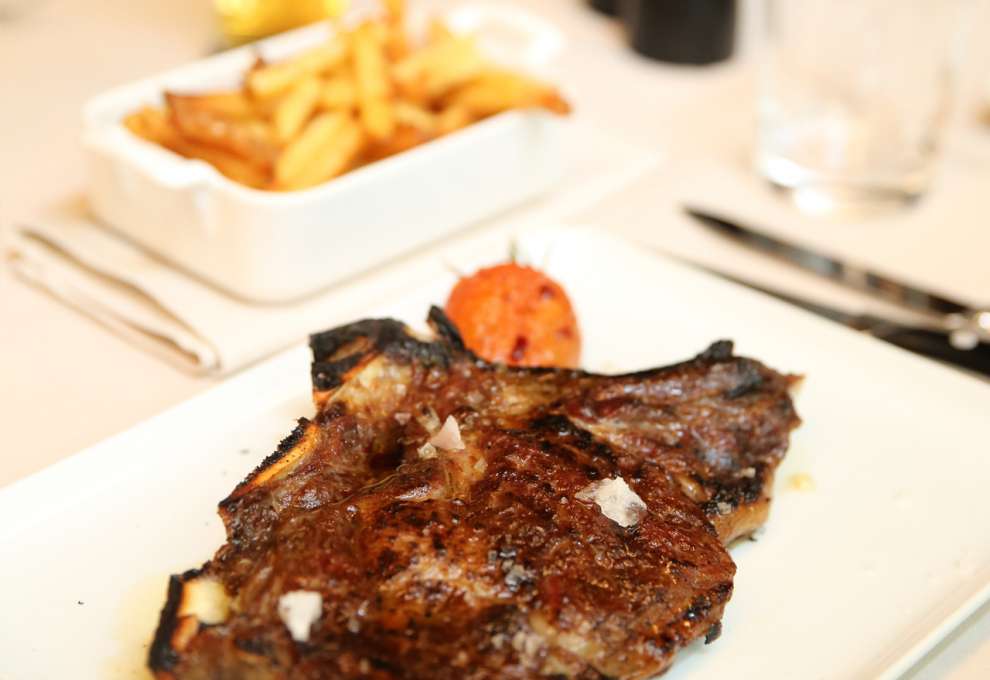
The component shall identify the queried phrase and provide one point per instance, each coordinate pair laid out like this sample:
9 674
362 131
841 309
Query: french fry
406 137
339 92
154 125
396 41
233 167
412 91
299 154
374 90
396 10
453 118
295 108
333 158
232 104
266 108
409 71
498 91
377 118
377 30
368 94
251 139
437 69
274 79
438 32
415 116
461 63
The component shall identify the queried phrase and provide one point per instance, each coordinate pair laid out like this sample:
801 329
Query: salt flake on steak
449 436
617 501
299 610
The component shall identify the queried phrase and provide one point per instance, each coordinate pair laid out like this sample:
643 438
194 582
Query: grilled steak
442 517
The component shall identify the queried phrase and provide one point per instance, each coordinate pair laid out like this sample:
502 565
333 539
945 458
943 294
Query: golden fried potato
154 125
338 92
274 79
334 158
235 168
496 91
396 42
396 10
374 89
438 68
438 32
406 137
251 139
295 108
366 94
453 118
459 63
231 104
323 149
417 117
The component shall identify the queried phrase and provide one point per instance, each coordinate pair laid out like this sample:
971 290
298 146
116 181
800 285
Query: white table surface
67 383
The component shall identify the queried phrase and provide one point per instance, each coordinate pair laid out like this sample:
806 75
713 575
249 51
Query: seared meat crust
481 562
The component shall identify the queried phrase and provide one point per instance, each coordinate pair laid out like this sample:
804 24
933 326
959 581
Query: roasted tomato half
516 315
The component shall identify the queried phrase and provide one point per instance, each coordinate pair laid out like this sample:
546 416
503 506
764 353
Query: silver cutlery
924 341
962 326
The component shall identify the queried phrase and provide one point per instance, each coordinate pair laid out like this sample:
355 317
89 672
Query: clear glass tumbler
853 98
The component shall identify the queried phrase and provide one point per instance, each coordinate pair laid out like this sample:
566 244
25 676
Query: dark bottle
681 31
610 7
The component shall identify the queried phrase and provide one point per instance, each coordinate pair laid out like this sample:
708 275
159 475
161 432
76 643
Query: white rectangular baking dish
271 247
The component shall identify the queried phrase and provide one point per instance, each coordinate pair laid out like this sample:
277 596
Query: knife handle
935 345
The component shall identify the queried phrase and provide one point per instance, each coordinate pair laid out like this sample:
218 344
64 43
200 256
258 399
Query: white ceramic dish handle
509 35
164 167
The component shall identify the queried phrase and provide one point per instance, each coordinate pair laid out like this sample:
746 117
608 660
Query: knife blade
965 325
924 341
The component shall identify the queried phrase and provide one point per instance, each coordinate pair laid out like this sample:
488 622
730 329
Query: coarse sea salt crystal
299 610
427 451
617 501
449 436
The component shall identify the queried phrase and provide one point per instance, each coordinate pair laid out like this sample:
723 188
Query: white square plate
853 578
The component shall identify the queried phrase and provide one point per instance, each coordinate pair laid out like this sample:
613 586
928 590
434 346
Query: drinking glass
854 95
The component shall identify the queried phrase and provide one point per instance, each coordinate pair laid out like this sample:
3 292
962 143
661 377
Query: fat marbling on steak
443 517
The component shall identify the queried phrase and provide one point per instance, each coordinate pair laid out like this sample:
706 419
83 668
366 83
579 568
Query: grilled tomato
516 315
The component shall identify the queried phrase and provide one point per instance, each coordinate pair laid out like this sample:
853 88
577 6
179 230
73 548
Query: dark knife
933 344
961 325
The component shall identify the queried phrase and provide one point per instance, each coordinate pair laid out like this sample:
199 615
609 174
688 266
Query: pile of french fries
367 94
